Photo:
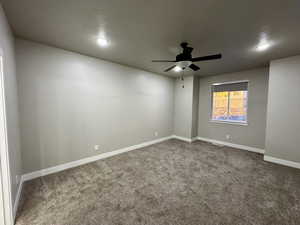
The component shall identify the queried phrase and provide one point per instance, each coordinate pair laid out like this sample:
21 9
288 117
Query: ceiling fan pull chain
182 78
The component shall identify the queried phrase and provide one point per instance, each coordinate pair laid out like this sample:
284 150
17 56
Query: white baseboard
55 169
282 162
194 139
190 140
18 196
243 147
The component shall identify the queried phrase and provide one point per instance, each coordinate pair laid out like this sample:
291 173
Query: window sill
229 122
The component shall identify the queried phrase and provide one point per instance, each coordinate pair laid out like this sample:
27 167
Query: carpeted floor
171 183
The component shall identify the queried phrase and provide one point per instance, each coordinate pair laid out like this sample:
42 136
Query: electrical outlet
155 133
96 147
227 136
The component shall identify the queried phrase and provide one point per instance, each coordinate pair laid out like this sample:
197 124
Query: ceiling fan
185 59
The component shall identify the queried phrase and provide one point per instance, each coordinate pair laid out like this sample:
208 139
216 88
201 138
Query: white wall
186 107
253 134
183 107
70 102
195 109
283 123
11 97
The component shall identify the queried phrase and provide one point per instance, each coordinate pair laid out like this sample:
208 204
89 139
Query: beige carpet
171 183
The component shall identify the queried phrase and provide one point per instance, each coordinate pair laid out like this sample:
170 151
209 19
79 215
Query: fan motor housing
184 57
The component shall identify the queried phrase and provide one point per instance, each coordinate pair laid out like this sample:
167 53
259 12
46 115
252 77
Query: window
229 102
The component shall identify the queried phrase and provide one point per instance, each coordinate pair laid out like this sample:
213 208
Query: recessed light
177 69
263 45
102 42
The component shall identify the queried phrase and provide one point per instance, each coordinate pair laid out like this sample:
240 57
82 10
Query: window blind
239 86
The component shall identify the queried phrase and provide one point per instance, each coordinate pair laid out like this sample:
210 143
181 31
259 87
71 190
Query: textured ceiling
142 30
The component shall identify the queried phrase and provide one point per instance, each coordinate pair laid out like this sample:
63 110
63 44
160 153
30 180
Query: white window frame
243 123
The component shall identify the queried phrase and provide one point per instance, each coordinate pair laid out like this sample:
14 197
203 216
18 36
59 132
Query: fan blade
194 67
208 57
170 68
163 61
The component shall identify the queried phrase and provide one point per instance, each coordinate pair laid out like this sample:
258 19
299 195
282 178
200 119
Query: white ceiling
142 30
